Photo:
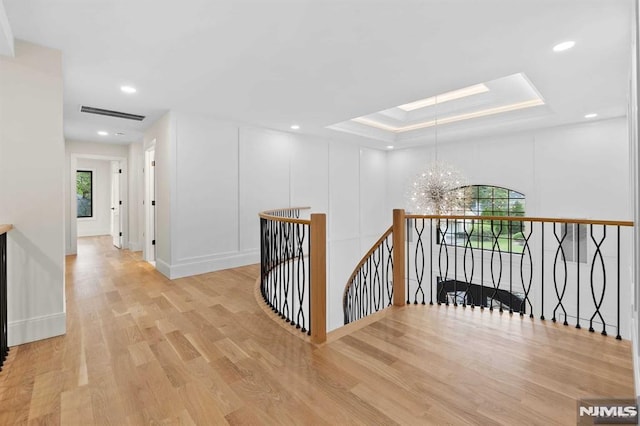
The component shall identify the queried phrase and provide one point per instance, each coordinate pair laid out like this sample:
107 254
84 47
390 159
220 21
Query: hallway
141 349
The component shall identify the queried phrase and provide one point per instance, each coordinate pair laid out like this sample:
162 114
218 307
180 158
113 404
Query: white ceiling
398 125
318 62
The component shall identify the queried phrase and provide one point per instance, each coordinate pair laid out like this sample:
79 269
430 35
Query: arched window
486 200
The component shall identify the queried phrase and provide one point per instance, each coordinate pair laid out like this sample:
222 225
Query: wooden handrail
5 228
524 219
269 214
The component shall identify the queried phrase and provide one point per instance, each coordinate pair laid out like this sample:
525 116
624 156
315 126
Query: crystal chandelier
440 190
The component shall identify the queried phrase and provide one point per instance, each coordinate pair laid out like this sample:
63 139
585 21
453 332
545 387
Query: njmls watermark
597 411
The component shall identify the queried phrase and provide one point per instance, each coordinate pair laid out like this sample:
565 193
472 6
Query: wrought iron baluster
418 259
483 300
308 329
455 263
389 269
364 297
4 325
302 278
468 248
598 254
496 244
542 270
431 261
442 294
295 258
560 294
287 270
510 246
408 277
618 279
576 232
280 267
526 288
376 285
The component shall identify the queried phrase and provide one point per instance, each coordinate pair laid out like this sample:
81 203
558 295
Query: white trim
95 233
635 355
149 252
634 162
204 264
163 267
38 328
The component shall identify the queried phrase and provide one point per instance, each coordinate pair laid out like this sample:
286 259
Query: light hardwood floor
141 349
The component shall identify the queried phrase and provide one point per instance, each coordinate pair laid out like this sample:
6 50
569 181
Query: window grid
485 200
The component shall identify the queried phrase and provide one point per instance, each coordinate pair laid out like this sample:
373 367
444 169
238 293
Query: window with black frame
84 193
486 200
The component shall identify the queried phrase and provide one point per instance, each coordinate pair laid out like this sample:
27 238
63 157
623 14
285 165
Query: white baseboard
163 267
202 265
94 233
32 329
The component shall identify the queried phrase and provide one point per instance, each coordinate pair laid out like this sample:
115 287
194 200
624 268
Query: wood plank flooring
141 349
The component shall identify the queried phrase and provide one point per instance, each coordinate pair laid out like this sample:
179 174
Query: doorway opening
98 203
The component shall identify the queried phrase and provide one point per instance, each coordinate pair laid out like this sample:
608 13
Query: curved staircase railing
293 268
568 270
370 286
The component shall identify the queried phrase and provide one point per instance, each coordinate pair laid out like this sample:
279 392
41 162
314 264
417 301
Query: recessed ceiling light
119 134
128 89
445 97
565 45
103 133
295 127
592 115
389 146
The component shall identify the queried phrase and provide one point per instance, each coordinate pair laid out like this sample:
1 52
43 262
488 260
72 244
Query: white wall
31 190
100 223
576 171
136 196
74 152
224 174
162 135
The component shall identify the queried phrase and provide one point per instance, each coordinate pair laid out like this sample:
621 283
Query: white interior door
116 228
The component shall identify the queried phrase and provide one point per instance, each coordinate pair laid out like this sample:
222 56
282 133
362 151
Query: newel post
318 266
399 238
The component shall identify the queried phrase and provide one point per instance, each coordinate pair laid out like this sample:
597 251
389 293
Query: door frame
115 168
150 218
72 203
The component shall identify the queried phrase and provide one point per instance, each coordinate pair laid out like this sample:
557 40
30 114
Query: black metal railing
293 268
284 277
568 270
4 339
370 287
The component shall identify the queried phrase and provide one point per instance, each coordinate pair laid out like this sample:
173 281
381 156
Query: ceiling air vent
109 113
